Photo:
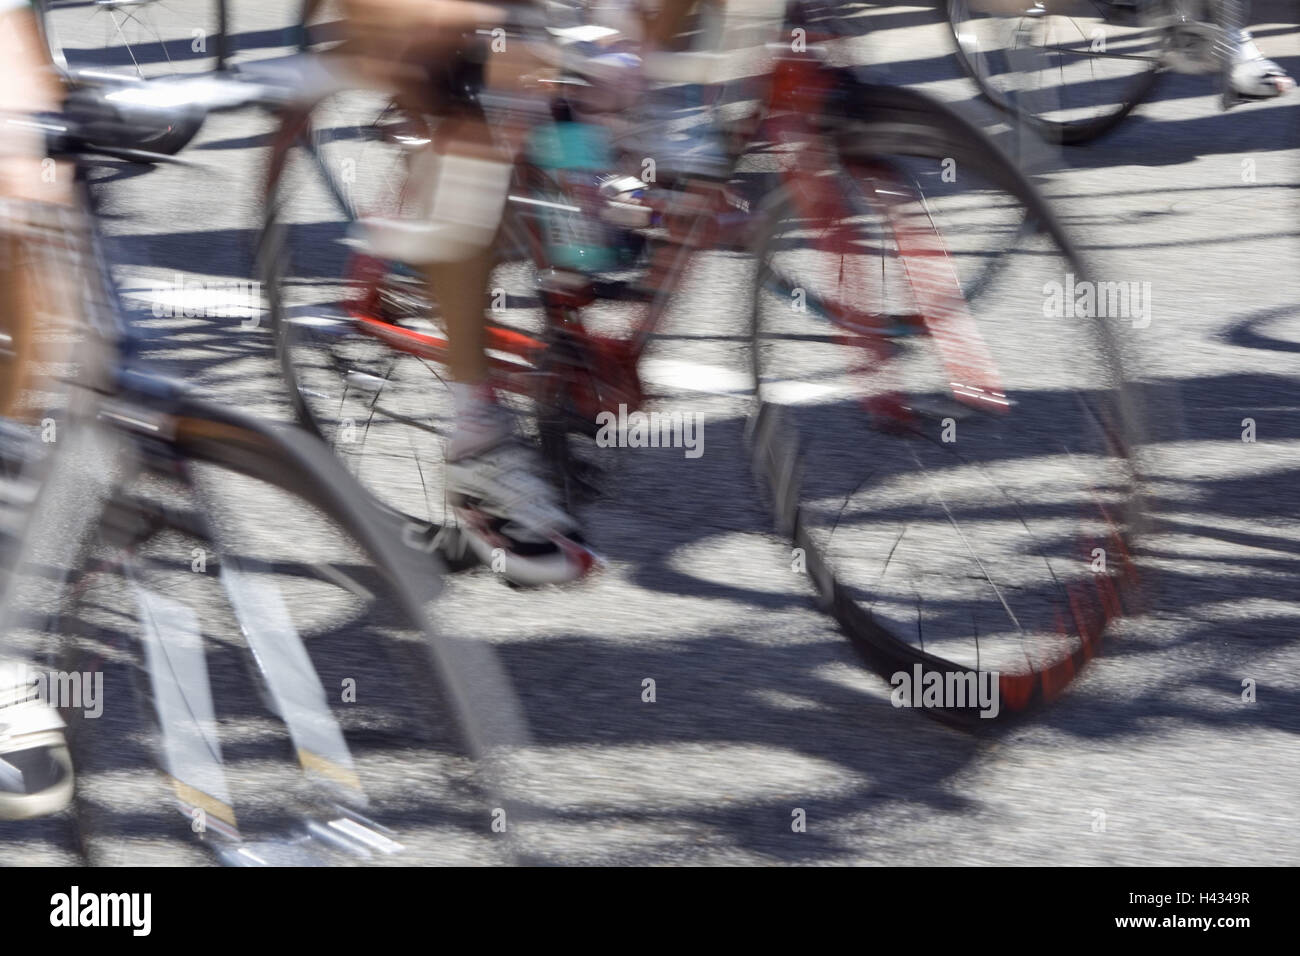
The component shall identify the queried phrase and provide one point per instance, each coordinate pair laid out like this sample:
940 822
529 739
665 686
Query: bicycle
275 680
1073 69
865 188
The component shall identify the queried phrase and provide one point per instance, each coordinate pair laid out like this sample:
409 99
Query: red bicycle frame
600 372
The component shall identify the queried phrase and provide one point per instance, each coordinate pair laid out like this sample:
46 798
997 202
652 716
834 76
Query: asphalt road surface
761 709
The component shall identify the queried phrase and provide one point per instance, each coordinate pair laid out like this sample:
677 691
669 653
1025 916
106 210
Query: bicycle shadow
1183 659
761 708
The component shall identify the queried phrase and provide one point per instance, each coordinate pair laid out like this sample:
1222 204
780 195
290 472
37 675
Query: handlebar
137 121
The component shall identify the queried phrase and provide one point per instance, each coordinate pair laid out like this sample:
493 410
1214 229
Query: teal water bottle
573 153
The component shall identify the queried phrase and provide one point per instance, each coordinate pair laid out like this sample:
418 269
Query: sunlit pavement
761 709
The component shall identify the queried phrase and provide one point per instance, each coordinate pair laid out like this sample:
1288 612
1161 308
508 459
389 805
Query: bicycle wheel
141 38
360 340
255 626
1071 69
384 412
959 476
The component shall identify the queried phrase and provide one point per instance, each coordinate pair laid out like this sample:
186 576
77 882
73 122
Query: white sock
480 422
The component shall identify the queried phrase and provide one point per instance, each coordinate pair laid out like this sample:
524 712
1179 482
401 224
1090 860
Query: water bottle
574 154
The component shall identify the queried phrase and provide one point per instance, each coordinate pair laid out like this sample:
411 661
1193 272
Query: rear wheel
360 339
1071 69
385 408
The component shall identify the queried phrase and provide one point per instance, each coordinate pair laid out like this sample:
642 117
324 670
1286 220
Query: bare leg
461 287
27 83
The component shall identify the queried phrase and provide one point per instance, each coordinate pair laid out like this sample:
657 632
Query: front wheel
262 632
959 474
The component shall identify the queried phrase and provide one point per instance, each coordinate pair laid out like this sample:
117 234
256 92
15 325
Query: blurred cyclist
1253 76
35 768
501 499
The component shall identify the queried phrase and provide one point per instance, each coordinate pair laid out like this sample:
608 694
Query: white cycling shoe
35 766
1255 77
508 515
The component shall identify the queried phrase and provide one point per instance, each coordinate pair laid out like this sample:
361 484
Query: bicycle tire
1063 132
472 690
329 356
313 395
217 35
887 121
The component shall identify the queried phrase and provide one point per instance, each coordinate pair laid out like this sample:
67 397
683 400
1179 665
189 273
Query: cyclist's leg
458 274
27 84
396 42
463 180
1253 76
35 769
17 306
506 508
481 159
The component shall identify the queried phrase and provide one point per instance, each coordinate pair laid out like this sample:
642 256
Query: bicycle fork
933 285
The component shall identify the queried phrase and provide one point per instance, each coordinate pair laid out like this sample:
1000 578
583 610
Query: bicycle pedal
451 544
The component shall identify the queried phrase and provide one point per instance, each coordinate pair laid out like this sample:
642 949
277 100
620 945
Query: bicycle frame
599 372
